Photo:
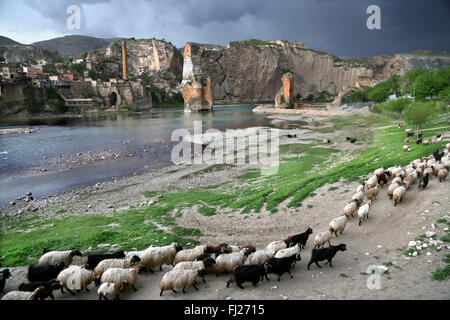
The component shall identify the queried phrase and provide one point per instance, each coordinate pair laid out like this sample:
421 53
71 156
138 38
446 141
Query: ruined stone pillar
197 95
124 60
285 96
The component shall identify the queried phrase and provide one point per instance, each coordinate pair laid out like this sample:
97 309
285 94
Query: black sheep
4 274
410 134
44 273
281 265
419 141
383 179
95 259
249 273
50 285
325 254
438 156
301 238
353 140
424 181
43 293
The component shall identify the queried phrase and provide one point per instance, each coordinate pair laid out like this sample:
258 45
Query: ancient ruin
285 96
197 95
124 60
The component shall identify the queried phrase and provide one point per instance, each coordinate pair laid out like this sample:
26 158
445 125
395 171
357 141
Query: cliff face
21 53
252 73
245 72
147 56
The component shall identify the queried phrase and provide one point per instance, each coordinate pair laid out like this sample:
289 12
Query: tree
2 59
419 113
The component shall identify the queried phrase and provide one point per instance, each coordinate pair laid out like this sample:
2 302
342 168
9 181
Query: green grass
19 248
207 211
441 274
387 264
258 43
343 275
422 238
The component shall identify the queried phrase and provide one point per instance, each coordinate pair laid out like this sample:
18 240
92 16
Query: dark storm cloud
336 26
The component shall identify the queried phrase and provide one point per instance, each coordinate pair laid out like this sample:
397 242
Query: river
40 162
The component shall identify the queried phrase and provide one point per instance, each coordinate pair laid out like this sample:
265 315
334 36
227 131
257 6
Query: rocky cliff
147 56
251 71
246 72
21 53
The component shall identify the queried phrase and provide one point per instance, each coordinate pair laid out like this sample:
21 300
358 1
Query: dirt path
387 226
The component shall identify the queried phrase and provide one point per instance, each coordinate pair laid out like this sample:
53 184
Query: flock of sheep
111 272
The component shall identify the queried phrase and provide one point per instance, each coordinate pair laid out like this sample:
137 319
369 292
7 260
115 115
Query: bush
358 96
418 113
382 91
324 96
398 105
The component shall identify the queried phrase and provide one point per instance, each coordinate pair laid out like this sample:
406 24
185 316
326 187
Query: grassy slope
296 179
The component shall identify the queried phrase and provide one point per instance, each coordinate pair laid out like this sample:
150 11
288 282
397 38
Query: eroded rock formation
197 95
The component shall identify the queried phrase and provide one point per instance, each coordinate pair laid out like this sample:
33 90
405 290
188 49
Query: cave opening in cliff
112 99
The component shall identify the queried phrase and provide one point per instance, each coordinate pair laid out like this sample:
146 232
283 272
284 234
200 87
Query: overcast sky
336 26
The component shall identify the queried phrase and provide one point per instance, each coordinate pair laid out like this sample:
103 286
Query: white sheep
75 277
361 187
363 211
23 295
397 180
372 181
278 245
442 174
50 258
398 194
338 224
137 253
447 146
189 254
260 256
115 263
109 289
372 193
193 265
391 189
227 262
288 252
321 238
177 279
118 275
379 171
359 197
351 208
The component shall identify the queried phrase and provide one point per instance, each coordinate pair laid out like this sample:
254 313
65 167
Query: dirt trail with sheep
377 240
